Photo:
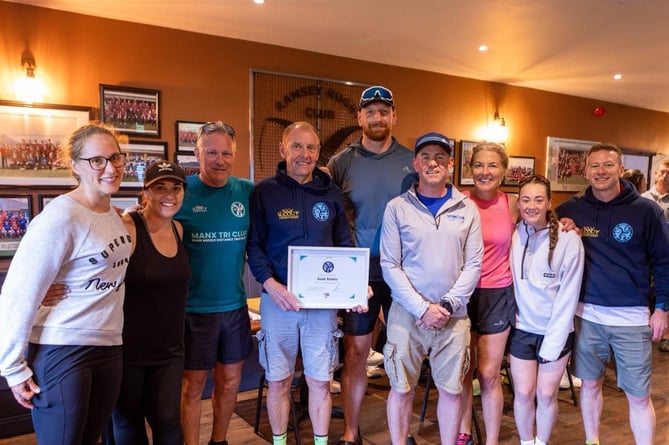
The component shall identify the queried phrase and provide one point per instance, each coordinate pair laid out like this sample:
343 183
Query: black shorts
223 337
362 324
491 311
526 346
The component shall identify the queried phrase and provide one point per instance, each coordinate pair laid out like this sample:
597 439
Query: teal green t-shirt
216 224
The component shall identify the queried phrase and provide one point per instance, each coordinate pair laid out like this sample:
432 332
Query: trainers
374 372
564 381
374 358
664 345
335 387
464 439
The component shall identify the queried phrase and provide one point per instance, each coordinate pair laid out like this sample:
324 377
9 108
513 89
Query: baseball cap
376 93
434 138
163 170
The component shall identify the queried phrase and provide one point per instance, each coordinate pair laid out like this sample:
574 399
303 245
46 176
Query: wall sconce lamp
28 88
497 131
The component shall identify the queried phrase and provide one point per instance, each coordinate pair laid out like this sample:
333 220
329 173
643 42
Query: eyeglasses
536 178
100 162
376 93
216 127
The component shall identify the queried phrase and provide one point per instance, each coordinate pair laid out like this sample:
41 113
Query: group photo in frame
565 163
520 168
139 155
129 110
465 171
15 215
186 135
189 162
30 142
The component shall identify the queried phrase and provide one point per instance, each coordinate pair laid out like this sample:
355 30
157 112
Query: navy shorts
526 345
362 324
223 337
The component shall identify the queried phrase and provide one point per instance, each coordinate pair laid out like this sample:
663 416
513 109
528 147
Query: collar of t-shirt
434 204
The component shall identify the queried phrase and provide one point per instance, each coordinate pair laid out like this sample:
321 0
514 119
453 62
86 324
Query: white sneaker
374 372
374 358
564 381
335 387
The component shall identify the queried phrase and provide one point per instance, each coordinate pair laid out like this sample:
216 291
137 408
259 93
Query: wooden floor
569 429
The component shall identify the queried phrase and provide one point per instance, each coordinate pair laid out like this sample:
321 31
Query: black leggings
154 393
79 386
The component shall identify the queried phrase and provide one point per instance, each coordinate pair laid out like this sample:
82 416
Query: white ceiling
564 46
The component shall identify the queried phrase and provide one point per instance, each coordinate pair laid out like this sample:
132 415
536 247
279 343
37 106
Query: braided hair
551 216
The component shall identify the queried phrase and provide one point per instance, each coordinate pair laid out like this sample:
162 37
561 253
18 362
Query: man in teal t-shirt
217 336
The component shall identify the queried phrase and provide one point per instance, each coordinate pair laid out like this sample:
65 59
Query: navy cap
436 139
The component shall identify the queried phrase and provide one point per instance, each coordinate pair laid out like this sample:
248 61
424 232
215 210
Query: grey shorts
313 332
631 346
408 345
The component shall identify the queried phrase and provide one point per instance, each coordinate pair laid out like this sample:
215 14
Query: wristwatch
447 305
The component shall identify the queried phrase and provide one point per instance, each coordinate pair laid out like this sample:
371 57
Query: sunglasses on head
377 93
216 127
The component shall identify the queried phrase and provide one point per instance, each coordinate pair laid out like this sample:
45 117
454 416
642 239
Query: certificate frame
328 277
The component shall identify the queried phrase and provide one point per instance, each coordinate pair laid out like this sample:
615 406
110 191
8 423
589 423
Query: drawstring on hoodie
527 243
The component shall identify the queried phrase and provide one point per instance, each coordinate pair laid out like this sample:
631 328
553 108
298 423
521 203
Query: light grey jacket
428 258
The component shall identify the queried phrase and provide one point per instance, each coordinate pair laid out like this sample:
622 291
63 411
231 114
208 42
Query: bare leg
490 354
226 384
278 405
398 409
591 407
320 406
525 386
448 408
548 385
354 382
466 397
642 419
191 396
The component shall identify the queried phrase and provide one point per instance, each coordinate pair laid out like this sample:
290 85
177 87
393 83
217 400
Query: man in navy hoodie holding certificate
299 206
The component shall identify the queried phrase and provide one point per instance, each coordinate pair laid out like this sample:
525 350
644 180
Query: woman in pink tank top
492 307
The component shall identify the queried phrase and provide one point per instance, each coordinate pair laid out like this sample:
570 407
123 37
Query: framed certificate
328 277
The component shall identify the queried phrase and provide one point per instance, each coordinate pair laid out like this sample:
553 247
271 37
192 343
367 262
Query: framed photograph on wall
45 199
30 138
140 155
133 111
186 135
188 162
15 215
123 201
565 164
520 167
464 170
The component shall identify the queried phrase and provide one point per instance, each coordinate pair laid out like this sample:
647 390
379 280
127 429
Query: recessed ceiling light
617 76
483 48
259 2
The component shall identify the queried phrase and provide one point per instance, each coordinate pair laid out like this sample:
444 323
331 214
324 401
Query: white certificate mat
328 277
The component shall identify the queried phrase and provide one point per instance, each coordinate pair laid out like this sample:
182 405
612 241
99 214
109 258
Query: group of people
460 279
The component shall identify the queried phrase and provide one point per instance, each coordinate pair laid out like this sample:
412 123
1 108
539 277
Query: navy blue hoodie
625 240
286 213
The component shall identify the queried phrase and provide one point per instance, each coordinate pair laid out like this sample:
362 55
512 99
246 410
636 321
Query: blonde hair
76 141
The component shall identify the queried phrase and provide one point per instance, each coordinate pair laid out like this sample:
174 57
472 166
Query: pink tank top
497 228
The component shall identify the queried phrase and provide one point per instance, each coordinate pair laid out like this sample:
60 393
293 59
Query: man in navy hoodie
626 240
299 206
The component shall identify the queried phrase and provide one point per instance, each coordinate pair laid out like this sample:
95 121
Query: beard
377 133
